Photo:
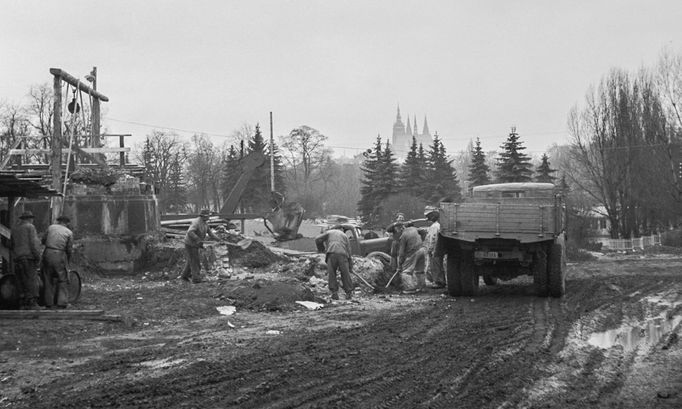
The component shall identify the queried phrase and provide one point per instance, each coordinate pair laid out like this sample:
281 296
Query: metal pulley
74 105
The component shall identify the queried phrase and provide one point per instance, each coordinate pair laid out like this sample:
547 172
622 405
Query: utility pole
272 157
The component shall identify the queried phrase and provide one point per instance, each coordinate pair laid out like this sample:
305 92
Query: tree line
623 159
624 154
427 177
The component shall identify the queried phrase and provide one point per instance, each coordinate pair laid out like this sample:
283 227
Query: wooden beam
56 146
39 151
167 219
75 82
5 231
92 315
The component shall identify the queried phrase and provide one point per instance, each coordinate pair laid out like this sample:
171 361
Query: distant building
402 135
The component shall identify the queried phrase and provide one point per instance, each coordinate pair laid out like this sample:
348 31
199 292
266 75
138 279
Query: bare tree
305 154
14 126
669 80
619 155
204 168
41 108
163 155
244 133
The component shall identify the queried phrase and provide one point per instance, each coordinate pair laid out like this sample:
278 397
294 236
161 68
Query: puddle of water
632 336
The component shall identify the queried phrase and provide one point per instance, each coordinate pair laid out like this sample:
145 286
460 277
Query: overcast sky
473 68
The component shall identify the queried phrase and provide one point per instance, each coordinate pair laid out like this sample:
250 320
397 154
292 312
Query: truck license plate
487 254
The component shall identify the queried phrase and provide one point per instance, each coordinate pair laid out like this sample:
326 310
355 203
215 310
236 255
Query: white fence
639 243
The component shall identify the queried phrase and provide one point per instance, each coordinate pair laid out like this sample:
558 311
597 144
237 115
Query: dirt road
611 342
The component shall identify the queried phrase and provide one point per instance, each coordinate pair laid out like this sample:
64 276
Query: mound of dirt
266 295
256 255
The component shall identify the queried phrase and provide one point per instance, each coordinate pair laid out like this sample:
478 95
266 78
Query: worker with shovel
194 240
410 259
336 245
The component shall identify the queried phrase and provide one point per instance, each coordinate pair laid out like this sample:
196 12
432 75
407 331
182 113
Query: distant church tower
402 135
398 130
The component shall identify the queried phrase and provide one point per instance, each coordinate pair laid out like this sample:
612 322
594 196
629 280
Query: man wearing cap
25 247
56 258
335 243
434 261
410 257
196 233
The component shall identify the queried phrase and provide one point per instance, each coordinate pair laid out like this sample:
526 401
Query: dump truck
501 232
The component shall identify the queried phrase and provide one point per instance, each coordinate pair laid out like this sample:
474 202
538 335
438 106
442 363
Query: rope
71 133
80 95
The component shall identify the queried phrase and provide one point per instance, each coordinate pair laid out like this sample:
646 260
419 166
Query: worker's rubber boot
349 295
335 296
33 305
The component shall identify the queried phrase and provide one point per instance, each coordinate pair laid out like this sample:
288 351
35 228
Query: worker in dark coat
411 258
336 245
194 240
395 229
25 246
56 259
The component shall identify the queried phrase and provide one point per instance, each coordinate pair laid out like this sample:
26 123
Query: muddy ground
611 342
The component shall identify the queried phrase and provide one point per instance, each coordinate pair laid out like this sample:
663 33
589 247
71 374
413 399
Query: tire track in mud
441 355
585 375
503 349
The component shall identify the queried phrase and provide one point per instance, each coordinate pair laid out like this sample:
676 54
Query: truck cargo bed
530 221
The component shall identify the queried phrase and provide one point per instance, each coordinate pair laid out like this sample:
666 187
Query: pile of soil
266 295
254 256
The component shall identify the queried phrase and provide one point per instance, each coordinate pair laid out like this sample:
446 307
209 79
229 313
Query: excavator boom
249 164
285 217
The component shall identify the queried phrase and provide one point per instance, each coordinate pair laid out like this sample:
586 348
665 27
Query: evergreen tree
412 172
177 188
257 192
441 182
423 167
544 171
563 186
513 165
387 174
370 167
280 186
479 171
231 170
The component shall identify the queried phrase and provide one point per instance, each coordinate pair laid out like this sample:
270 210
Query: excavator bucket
286 219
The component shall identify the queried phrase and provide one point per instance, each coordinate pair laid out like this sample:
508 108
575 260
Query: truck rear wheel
557 271
468 274
540 274
489 280
452 267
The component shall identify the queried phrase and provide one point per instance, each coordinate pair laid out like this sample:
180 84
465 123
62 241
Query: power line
168 127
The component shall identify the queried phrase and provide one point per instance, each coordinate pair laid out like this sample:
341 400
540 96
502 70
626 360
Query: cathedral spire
408 128
426 132
398 129
416 130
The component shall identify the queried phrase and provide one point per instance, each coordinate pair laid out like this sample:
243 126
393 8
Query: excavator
285 217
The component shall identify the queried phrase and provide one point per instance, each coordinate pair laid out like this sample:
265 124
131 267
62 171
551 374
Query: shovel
363 280
242 244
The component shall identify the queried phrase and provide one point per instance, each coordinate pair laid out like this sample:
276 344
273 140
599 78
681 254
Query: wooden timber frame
12 188
56 154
